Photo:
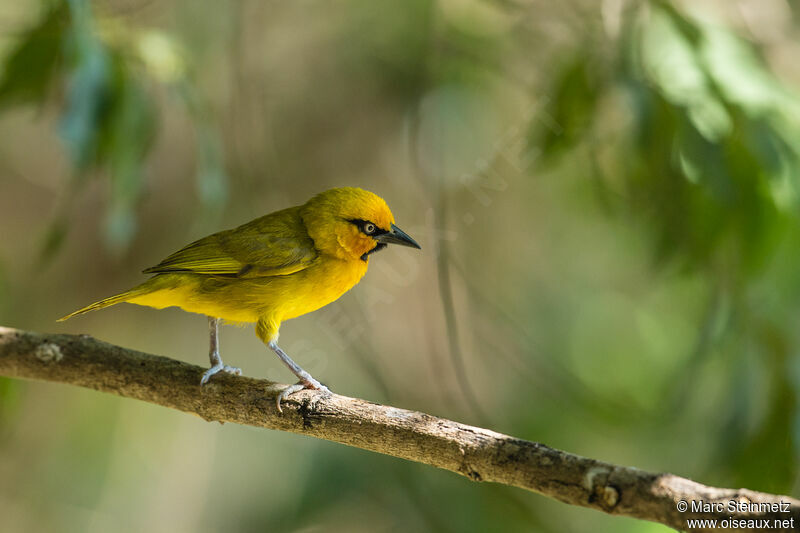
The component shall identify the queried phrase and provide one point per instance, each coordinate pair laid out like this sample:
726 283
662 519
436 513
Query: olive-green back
273 245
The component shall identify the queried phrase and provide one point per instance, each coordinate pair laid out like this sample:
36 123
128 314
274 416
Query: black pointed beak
397 236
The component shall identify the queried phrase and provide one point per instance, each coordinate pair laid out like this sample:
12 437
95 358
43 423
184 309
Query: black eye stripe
362 224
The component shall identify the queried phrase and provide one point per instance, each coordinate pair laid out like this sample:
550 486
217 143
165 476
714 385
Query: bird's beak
397 236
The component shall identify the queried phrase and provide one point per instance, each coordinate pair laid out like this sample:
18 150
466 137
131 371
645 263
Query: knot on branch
608 495
308 412
601 492
466 469
48 353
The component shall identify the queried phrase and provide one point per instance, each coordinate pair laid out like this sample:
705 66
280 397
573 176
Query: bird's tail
106 302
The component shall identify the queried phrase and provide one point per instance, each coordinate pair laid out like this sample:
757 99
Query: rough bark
478 454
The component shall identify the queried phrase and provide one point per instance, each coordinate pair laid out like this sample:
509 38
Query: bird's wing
273 245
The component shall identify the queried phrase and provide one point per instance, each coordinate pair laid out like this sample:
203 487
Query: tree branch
478 454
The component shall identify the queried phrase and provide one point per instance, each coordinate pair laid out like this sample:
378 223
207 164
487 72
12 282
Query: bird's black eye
366 227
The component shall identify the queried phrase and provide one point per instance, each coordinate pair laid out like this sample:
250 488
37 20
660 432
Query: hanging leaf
571 107
31 66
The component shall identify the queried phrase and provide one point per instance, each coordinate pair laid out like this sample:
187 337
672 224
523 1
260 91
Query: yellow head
352 223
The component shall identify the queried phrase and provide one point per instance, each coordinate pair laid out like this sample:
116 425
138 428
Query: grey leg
306 381
213 354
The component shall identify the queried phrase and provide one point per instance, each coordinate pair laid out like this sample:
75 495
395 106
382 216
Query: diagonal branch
479 454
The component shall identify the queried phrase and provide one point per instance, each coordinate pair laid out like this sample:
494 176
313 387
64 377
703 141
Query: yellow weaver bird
274 268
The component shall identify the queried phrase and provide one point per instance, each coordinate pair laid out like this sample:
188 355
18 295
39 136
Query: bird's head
352 223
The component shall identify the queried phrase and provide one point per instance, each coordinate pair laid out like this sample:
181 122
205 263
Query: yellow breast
312 288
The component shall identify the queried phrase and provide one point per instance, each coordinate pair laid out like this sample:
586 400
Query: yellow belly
275 298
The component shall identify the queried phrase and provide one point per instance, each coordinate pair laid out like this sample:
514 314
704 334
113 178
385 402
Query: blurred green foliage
105 77
30 67
608 193
707 158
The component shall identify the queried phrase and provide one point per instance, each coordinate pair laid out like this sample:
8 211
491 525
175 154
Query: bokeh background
607 195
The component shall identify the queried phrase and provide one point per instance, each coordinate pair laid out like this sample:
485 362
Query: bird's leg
306 381
213 354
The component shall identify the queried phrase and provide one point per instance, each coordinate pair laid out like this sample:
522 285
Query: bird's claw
291 389
219 368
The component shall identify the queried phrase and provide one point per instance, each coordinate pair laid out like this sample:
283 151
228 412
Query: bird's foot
311 384
219 367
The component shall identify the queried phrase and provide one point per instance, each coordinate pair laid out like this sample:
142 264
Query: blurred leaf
212 181
162 57
53 239
31 66
762 454
742 76
210 177
129 129
572 106
88 87
108 120
713 158
688 30
87 94
708 159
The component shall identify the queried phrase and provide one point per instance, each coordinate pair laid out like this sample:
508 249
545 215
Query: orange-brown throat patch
353 241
